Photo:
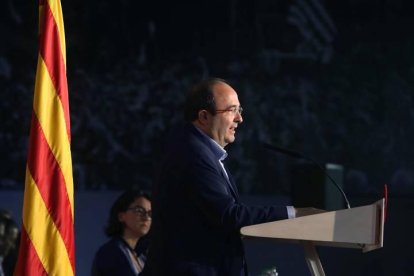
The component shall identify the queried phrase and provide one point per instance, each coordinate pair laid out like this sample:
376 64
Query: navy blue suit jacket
197 214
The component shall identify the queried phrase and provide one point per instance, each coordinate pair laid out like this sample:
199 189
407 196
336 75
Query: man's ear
203 116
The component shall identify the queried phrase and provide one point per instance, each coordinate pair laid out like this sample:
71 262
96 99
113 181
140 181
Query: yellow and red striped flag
47 244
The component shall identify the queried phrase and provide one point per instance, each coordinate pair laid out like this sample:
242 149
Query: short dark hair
201 97
115 228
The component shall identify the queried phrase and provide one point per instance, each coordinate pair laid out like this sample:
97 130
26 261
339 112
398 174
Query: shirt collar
218 150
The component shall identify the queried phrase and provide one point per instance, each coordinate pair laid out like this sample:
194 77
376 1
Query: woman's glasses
138 210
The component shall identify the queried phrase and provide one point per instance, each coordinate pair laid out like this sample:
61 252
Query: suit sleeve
209 190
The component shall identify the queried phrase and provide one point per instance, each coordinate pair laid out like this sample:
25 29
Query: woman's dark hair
201 97
115 227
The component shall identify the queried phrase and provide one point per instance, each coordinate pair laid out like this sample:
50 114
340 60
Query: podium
359 227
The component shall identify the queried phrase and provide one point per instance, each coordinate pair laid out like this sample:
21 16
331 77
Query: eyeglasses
233 109
138 210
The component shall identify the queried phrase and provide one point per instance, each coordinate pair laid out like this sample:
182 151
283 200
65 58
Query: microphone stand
295 154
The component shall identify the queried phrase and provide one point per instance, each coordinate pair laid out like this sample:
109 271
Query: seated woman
129 222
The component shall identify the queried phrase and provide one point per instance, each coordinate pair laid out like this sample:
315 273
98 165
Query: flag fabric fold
47 245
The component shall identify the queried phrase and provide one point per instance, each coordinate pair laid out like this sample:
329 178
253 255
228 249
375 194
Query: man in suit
197 213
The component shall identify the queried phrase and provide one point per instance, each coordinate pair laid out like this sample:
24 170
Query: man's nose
238 118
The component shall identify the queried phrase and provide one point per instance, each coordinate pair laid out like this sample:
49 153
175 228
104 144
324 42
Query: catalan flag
47 244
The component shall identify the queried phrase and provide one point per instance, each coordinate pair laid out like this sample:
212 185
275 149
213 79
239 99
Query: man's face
222 126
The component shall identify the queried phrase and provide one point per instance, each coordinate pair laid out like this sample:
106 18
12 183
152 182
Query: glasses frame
141 211
233 109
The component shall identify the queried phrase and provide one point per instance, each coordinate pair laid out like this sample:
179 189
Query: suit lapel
233 186
231 183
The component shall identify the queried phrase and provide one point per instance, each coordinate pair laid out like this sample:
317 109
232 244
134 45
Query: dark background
331 79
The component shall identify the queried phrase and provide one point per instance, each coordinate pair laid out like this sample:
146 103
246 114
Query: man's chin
231 140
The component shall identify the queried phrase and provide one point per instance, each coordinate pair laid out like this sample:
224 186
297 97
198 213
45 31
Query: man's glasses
233 109
138 210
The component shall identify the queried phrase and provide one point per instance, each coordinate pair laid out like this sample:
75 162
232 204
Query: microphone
296 154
